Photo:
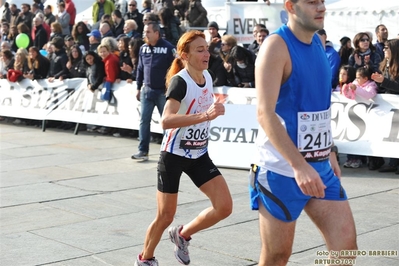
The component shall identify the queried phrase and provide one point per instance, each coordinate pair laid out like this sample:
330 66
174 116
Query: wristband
207 116
334 149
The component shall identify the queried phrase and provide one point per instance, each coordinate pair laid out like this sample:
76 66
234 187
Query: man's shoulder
165 43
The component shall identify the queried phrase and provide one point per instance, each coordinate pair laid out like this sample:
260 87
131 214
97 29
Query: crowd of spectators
60 47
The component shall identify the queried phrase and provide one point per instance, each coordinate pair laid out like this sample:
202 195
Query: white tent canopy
349 17
365 6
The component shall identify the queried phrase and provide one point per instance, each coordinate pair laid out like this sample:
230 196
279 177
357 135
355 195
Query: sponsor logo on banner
358 126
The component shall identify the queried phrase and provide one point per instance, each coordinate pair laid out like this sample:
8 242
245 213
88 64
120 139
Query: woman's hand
227 66
377 77
358 59
125 67
28 76
367 59
216 109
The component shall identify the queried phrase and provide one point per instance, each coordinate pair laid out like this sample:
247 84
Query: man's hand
215 40
309 181
138 95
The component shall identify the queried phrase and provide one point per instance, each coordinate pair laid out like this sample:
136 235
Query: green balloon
22 40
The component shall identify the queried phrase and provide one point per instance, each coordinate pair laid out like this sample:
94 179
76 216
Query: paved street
80 200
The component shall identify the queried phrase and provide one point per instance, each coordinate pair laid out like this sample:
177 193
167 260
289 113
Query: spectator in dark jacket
254 46
345 50
95 72
124 59
5 31
388 82
11 38
119 22
7 62
38 65
79 34
48 15
106 29
243 67
364 53
40 33
170 25
181 6
14 14
215 41
134 50
146 4
56 30
58 69
217 71
6 12
75 64
133 13
25 16
196 14
94 39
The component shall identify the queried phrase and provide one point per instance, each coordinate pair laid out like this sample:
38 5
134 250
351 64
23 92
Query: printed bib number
314 135
195 137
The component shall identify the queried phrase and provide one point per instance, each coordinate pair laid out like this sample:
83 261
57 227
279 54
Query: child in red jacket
111 66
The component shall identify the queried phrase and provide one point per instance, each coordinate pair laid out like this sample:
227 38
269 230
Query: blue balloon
43 52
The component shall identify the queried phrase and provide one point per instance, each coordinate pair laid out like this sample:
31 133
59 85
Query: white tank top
191 141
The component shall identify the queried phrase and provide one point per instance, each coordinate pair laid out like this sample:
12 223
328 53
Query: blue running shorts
281 195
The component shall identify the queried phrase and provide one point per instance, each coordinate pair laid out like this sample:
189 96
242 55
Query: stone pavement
80 200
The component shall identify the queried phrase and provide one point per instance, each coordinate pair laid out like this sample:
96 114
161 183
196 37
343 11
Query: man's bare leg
277 238
335 222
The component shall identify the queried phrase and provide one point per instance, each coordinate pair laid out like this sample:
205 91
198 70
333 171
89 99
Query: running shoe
181 244
151 262
356 163
348 163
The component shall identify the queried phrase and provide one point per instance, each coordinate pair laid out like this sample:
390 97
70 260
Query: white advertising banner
359 126
70 100
243 16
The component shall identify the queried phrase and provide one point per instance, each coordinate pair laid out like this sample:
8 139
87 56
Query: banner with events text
359 126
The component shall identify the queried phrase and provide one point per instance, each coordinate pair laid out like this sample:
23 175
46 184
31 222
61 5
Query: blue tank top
306 90
308 87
